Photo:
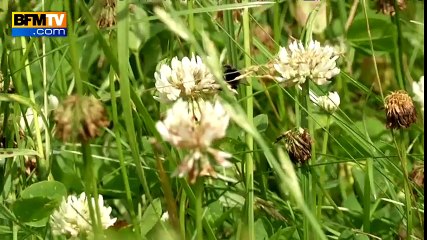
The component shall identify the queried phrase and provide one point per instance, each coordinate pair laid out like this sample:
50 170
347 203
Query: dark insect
230 75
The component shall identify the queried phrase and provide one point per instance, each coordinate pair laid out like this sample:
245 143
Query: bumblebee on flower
188 79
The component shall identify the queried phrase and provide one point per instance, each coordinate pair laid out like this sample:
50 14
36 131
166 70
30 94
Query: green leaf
52 190
346 235
5 230
122 234
64 170
260 232
284 234
139 27
261 122
34 209
361 237
320 119
14 152
373 126
352 203
152 54
38 201
151 216
359 180
383 34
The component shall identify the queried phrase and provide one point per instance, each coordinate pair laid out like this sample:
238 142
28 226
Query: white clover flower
72 218
29 114
165 217
329 103
187 79
297 63
53 102
194 126
304 8
418 90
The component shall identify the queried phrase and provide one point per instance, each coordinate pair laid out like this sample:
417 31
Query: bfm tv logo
39 24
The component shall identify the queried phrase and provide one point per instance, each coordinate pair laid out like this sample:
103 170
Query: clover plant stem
45 97
182 210
91 189
42 163
326 136
249 170
407 187
367 197
121 157
199 207
307 182
191 22
322 170
125 89
398 53
73 50
15 230
277 36
229 27
90 177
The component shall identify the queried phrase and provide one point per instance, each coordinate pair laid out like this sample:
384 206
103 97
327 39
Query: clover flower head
387 6
107 15
188 78
400 110
298 145
296 63
10 88
418 90
72 218
417 175
29 114
164 217
80 118
329 103
195 126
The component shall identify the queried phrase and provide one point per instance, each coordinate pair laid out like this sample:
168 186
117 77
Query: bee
230 75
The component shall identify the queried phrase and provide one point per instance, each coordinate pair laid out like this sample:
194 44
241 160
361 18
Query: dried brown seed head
298 145
107 17
417 175
80 118
30 164
10 87
264 33
387 6
400 110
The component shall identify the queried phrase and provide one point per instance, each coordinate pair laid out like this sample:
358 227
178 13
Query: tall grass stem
249 169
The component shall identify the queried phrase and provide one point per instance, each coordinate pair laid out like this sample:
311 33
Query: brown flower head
400 110
236 13
264 34
10 87
298 145
237 16
79 118
417 175
387 6
107 17
30 164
